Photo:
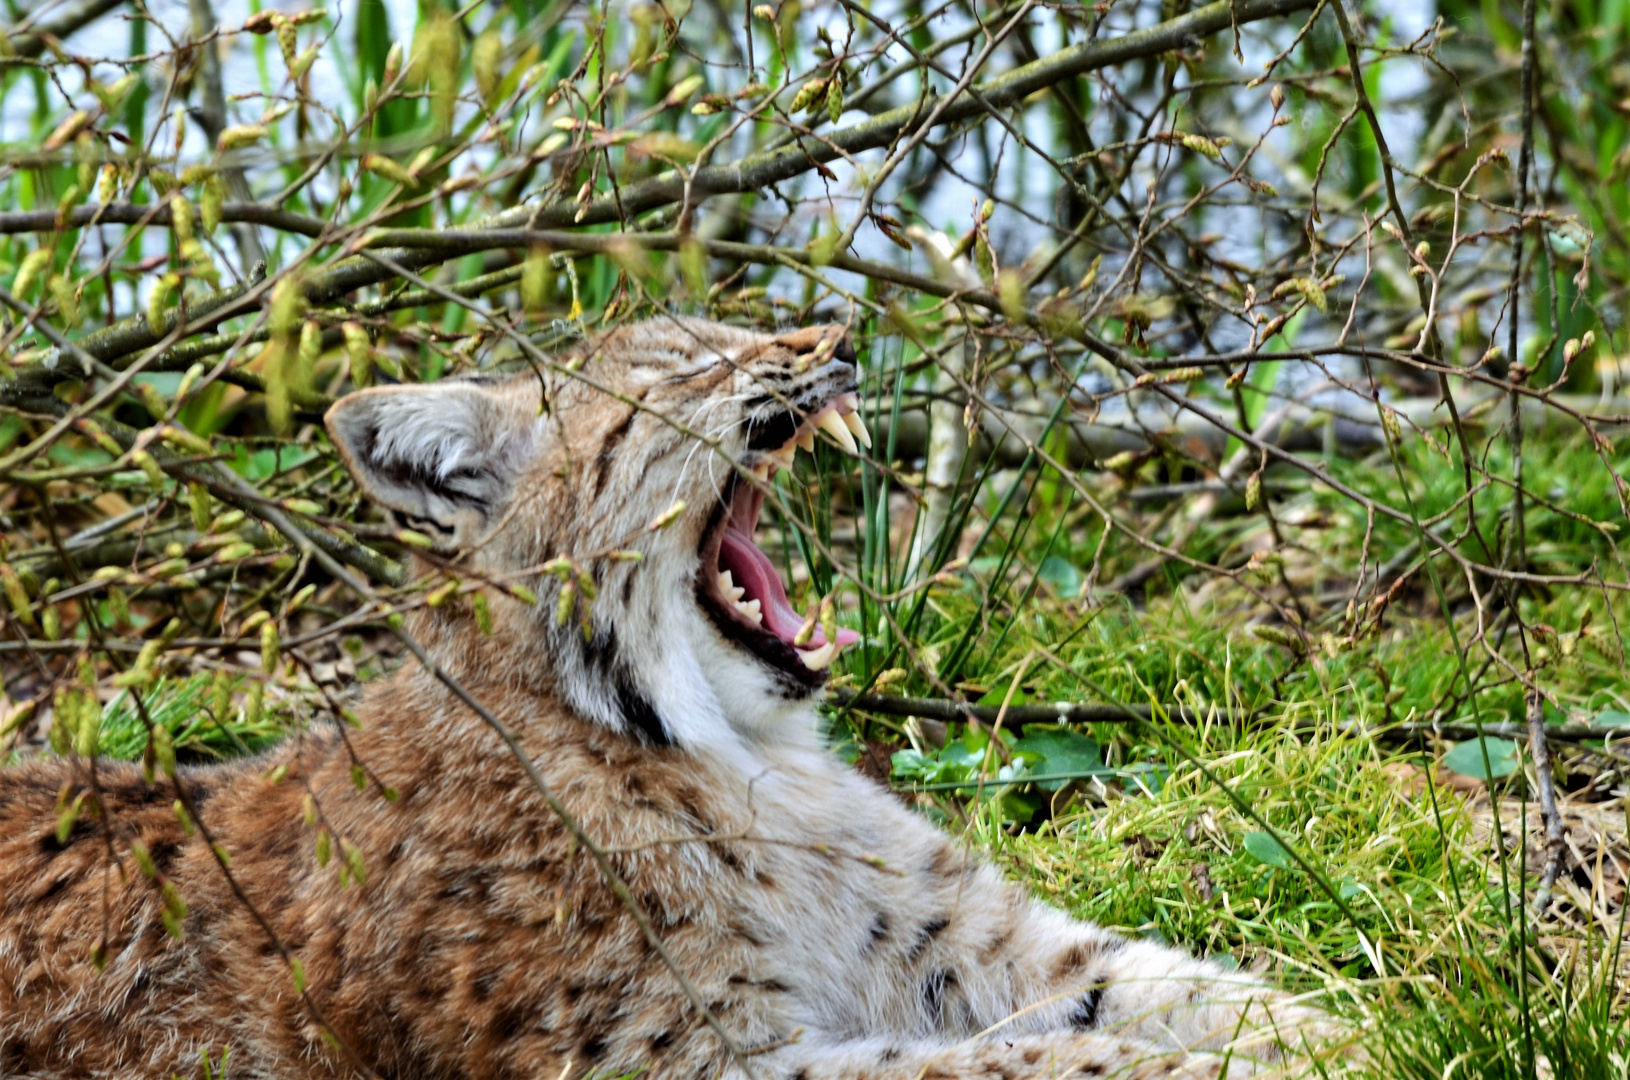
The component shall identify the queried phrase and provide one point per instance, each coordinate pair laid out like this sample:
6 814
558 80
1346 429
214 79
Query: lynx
829 930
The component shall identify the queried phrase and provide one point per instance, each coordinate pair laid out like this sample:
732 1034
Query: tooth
751 609
762 469
830 423
805 440
727 585
820 659
855 424
784 456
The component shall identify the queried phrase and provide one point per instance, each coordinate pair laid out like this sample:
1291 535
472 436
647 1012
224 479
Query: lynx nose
845 348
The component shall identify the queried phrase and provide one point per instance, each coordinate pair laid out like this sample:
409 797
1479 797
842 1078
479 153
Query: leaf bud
239 135
1389 424
146 463
565 603
143 859
163 749
683 89
269 648
359 353
382 166
667 517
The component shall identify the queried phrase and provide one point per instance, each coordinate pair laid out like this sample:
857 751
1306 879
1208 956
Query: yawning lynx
831 932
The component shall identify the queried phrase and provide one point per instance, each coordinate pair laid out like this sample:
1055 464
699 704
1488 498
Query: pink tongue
752 570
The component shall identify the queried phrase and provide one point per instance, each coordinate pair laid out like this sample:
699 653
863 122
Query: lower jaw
780 659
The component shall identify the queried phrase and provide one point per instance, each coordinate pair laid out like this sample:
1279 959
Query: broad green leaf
1265 849
1061 574
910 764
1060 750
997 696
1467 758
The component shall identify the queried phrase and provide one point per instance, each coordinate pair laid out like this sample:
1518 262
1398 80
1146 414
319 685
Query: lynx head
695 641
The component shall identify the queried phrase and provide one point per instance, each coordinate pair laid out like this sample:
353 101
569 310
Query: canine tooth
805 440
834 426
855 424
751 609
820 659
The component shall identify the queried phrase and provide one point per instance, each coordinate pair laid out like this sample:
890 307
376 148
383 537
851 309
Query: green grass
184 708
1429 948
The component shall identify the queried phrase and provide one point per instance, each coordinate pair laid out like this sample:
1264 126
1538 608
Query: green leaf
1061 574
1017 806
1148 776
261 465
1265 849
963 757
995 698
1467 758
1060 750
910 765
1612 718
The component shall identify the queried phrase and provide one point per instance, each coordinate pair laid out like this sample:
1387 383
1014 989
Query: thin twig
1541 755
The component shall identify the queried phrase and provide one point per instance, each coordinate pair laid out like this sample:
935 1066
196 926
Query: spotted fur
832 932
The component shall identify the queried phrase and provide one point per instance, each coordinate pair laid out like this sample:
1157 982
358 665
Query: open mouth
738 584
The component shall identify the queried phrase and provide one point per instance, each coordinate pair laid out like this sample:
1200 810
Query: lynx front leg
1022 1057
994 956
1154 992
1094 980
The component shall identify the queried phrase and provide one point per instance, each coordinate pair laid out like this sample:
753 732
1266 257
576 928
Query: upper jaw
838 419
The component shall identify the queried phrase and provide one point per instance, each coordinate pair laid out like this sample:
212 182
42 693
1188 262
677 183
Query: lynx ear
446 455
